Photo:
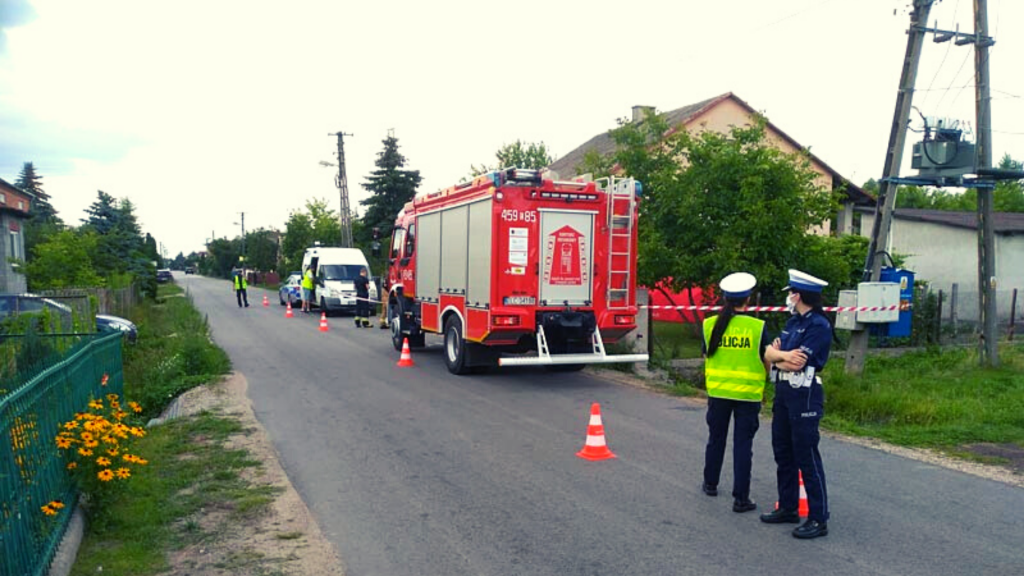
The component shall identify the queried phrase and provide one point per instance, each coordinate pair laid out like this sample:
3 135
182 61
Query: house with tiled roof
15 204
720 113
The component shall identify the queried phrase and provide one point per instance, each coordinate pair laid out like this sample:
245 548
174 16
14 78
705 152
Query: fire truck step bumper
554 359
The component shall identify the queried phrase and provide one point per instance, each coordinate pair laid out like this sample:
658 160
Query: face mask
791 304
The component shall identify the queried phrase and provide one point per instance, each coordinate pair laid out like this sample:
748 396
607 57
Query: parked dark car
164 276
108 323
291 290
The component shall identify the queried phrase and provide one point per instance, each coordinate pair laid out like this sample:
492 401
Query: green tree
531 156
715 203
120 250
261 250
303 229
64 260
43 221
1009 194
390 188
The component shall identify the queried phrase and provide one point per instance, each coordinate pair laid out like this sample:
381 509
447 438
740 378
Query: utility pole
341 181
243 236
988 347
858 348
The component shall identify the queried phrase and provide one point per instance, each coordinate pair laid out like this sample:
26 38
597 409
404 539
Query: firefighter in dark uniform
735 372
798 358
362 300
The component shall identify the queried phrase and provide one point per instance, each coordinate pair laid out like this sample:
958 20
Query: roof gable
688 116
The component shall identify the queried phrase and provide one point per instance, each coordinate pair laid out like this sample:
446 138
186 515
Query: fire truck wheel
454 346
395 321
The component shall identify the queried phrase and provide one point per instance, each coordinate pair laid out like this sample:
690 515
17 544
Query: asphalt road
413 471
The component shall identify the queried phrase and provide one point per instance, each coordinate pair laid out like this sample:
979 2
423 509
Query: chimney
639 112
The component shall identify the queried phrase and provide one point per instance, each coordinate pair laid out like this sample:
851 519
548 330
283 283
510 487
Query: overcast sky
197 111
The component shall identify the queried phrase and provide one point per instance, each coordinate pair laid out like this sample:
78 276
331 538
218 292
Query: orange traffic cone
288 310
406 360
595 447
803 509
266 303
323 321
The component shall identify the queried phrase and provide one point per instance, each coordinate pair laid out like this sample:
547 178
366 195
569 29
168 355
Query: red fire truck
512 263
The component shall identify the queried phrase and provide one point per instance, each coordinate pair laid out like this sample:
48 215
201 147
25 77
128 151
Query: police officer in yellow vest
735 373
240 288
307 289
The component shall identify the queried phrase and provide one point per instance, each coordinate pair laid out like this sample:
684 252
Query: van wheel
454 346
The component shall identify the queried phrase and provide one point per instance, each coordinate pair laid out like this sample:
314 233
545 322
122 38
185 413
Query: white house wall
944 255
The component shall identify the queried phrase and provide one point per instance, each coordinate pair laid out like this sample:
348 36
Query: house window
3 198
21 205
13 244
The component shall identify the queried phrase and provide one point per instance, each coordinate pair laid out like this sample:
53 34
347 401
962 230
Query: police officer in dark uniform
362 299
735 372
798 358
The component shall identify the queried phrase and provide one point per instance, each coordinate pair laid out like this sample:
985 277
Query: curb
67 550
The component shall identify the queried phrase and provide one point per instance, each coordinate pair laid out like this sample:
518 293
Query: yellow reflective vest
240 283
307 279
736 371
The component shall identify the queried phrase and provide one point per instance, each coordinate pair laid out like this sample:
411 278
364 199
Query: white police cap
805 282
738 285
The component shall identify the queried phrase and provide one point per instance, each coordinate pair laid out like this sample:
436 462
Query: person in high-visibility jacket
734 374
307 288
240 288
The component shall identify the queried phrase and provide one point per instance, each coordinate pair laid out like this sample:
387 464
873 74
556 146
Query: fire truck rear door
566 257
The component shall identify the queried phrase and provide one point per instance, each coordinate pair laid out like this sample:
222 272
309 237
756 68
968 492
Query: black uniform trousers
720 412
362 306
796 414
241 295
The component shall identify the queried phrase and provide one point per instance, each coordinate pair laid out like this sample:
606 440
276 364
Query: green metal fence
32 472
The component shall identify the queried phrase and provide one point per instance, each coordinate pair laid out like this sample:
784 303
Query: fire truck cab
512 263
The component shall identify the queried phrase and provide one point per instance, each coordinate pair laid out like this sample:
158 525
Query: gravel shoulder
283 540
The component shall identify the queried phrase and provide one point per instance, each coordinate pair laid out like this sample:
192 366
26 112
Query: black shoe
743 505
780 516
811 529
709 489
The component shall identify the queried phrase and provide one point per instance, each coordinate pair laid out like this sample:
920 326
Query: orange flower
96 405
84 452
123 473
56 504
102 461
48 510
70 425
135 407
72 465
112 397
105 475
120 414
63 442
141 461
86 436
91 444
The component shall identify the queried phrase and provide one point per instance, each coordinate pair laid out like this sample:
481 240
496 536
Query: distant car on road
164 276
108 323
291 290
190 270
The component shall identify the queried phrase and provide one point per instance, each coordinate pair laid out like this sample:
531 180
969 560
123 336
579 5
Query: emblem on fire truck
565 260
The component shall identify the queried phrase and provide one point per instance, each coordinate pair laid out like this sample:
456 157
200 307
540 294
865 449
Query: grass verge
934 398
194 486
168 507
174 352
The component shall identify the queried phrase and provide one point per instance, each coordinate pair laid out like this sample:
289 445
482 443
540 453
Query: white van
334 271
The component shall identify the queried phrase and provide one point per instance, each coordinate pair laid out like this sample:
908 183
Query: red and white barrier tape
900 307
